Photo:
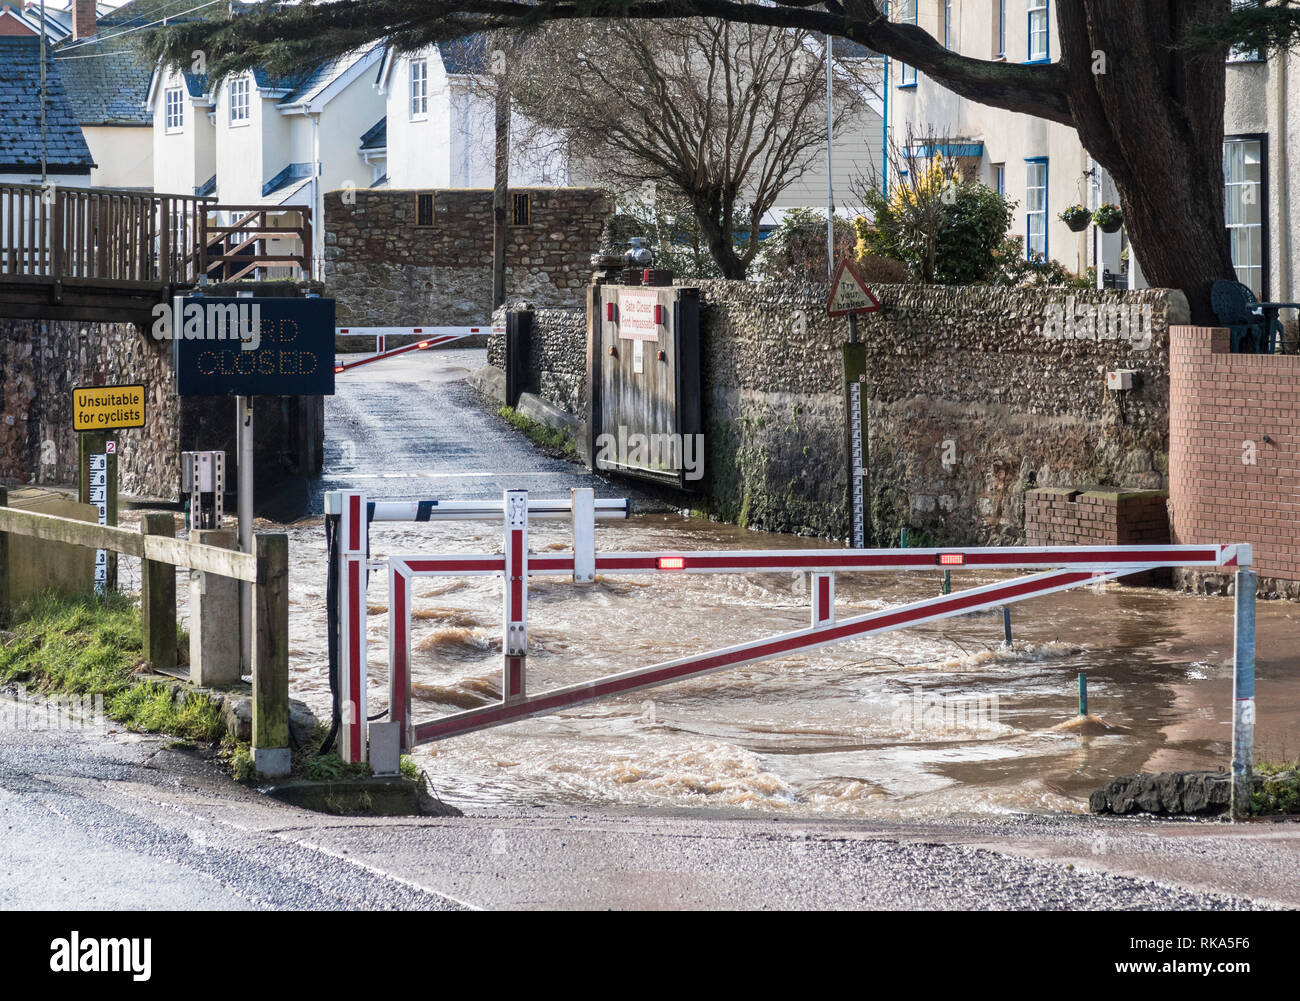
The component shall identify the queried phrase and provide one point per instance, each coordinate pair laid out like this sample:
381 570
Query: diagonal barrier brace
784 644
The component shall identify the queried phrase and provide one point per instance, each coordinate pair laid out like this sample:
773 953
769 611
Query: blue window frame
947 24
1000 179
907 12
1040 33
1036 207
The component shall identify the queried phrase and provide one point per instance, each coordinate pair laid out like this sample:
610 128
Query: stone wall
557 360
385 270
976 396
42 361
1235 456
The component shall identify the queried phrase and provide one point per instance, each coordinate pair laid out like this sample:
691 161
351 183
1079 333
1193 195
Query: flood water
936 719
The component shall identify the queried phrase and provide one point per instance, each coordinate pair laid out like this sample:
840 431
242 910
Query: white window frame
174 110
240 101
1040 11
1001 52
1032 185
1239 191
947 24
419 89
907 12
1000 178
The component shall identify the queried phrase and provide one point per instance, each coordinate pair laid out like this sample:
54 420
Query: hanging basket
1108 218
1077 218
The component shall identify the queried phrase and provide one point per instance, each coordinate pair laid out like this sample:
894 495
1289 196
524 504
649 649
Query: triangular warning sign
851 296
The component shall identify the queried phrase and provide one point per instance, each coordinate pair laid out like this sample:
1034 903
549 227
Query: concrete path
120 821
412 427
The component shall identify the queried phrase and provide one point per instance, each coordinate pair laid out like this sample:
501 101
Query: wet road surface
137 825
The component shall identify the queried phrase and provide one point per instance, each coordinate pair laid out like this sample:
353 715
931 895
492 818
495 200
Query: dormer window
173 109
419 88
239 91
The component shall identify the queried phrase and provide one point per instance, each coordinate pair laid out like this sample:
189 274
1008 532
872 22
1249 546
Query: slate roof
66 151
376 137
106 77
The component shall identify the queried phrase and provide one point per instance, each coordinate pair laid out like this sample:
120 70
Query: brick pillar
83 19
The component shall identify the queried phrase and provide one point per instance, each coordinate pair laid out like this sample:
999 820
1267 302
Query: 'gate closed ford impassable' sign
254 347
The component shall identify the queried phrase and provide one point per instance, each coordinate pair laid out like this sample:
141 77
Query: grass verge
92 646
1279 790
549 439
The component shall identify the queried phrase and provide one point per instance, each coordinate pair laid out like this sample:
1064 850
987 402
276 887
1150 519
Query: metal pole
244 509
44 165
830 179
1243 694
1006 625
1083 694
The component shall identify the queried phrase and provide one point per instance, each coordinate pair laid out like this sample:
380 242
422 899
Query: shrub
1016 270
796 249
944 231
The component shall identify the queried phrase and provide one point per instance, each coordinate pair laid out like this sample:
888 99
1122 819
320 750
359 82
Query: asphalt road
411 427
108 821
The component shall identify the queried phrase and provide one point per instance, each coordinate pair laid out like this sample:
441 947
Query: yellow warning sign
105 408
850 296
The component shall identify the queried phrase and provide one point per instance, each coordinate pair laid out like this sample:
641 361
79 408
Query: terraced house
1042 167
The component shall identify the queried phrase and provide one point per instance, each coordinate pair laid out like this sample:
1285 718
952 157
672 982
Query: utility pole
500 193
830 175
44 171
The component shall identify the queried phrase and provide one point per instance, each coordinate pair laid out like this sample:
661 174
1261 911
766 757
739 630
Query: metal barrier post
823 599
352 549
515 645
1243 694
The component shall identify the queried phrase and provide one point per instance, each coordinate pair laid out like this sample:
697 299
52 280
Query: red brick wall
1222 407
1061 516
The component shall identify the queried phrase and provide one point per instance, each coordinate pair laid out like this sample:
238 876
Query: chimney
83 18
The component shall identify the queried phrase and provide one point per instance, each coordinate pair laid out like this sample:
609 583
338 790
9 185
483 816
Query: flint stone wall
976 395
385 270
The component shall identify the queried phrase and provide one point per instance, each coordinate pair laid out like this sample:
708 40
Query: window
1000 48
521 210
239 100
1000 179
1236 55
947 24
1243 188
1036 207
424 210
419 88
1039 19
907 13
174 109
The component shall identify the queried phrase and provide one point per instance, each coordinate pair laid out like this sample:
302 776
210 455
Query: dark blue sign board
254 347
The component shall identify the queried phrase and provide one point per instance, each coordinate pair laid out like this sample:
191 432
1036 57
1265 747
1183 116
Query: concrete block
36 565
214 619
385 747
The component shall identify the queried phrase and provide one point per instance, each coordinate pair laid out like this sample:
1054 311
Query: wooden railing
93 236
266 569
228 253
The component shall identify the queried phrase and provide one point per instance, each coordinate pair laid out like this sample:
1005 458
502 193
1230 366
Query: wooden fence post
4 567
158 598
271 656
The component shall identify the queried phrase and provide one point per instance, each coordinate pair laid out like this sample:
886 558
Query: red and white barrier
1060 568
431 337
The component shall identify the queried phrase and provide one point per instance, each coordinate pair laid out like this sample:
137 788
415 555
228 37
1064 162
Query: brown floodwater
937 719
